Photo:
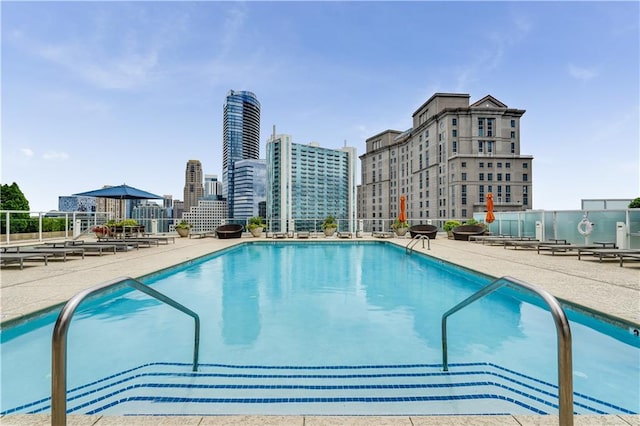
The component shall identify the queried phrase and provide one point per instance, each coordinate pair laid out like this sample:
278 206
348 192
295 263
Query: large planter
401 231
256 232
183 232
328 232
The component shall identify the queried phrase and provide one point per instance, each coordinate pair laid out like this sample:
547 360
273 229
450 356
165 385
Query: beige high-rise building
193 184
446 164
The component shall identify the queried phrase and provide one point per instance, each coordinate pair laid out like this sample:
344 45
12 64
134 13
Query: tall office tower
241 138
306 183
444 165
167 201
207 215
178 209
193 189
152 216
212 187
250 188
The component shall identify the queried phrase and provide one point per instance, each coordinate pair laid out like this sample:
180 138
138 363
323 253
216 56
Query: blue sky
97 93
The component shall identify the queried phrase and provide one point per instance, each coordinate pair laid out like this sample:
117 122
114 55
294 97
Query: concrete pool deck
604 287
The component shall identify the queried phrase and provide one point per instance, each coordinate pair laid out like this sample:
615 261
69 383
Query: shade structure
403 214
489 218
121 192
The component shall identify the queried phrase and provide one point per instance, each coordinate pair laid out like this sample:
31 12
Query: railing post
59 340
563 332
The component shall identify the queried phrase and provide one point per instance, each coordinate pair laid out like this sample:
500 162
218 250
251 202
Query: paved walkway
604 287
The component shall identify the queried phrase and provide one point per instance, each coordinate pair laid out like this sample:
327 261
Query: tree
12 198
635 203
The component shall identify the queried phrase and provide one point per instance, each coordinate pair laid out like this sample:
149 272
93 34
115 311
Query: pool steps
173 389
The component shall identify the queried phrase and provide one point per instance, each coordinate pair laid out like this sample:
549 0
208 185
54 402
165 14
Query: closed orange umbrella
489 218
403 215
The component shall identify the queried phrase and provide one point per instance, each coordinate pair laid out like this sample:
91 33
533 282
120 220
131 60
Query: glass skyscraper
241 139
250 182
306 183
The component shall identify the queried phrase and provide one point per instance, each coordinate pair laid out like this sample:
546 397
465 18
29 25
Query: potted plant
329 226
182 228
449 225
400 227
101 231
255 226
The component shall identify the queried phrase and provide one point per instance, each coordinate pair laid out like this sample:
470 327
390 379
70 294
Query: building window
455 147
490 176
464 176
454 121
525 165
499 176
481 165
513 135
513 148
464 164
507 177
481 176
525 177
480 126
513 124
507 165
480 147
499 165
489 165
454 133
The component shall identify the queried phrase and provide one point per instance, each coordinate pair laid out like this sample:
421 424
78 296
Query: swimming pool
319 328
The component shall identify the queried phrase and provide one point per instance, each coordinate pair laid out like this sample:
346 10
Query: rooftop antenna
274 132
345 143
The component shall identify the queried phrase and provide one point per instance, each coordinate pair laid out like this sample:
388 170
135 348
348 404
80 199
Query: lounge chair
8 258
564 248
429 230
230 230
87 247
463 232
202 234
303 234
607 252
345 235
523 243
628 256
382 234
53 252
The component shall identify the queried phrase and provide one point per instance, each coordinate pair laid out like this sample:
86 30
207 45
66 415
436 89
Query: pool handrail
59 339
565 369
411 244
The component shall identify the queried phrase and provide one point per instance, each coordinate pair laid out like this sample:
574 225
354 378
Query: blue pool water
328 328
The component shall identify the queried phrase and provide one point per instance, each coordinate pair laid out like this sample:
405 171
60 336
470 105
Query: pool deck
601 286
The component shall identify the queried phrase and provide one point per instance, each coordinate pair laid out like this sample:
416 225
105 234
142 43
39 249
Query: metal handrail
411 244
59 339
565 373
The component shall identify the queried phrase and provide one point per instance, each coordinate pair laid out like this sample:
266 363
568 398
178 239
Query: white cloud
27 152
55 156
581 73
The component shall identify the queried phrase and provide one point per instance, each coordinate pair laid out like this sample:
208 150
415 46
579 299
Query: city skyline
87 86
